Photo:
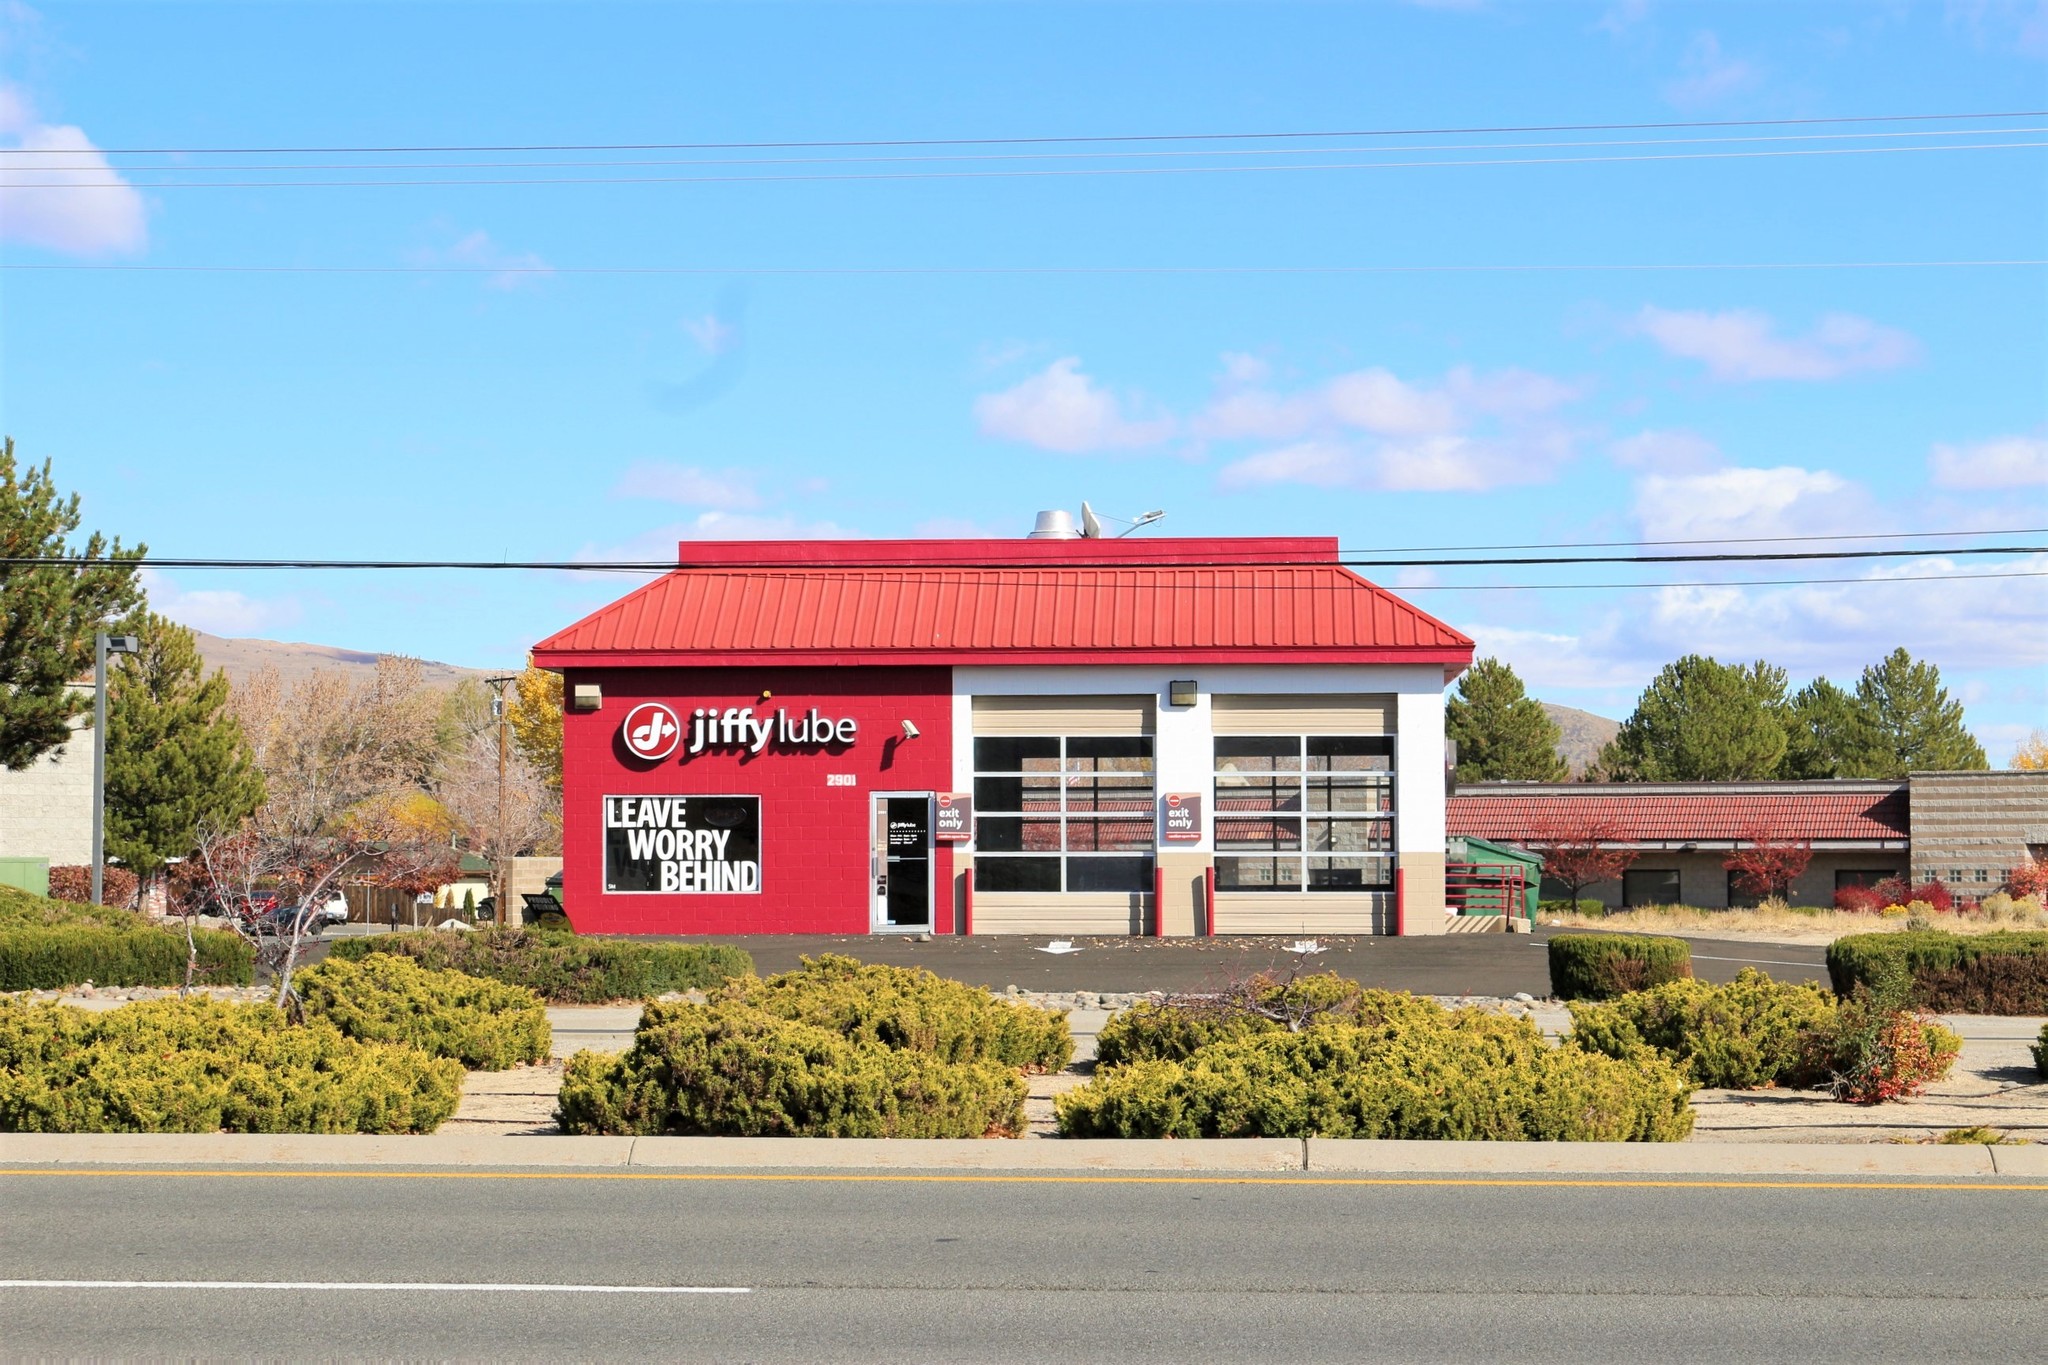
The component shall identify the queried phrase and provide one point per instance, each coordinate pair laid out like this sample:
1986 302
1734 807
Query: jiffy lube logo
737 727
651 731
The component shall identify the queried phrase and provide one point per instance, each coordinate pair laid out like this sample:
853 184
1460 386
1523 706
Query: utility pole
102 645
502 871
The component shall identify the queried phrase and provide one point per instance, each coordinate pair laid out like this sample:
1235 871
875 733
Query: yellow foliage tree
2032 755
535 711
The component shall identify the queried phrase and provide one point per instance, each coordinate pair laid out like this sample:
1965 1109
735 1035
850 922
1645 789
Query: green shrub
485 1025
562 969
2041 1054
909 1008
1467 1075
1174 1030
203 1066
1753 1032
1589 906
733 1070
2005 972
1600 966
21 909
39 959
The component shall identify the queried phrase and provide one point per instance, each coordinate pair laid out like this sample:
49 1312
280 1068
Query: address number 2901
839 779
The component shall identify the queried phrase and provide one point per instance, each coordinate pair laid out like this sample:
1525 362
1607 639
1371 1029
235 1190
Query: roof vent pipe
1055 525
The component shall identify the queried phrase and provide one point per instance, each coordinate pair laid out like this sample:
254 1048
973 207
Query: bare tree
502 817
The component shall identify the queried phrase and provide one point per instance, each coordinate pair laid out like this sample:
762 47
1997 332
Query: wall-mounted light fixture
1181 692
766 695
586 697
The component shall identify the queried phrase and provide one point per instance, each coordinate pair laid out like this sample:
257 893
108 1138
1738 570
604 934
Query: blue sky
862 357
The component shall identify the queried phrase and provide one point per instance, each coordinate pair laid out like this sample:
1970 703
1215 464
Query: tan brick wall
1423 884
46 809
1972 822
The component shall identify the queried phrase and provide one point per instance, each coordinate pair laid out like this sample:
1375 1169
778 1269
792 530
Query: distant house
1966 830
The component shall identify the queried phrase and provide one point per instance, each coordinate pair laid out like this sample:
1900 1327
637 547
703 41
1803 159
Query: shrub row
1464 1075
732 1070
1600 966
485 1025
21 909
71 954
1174 1030
73 882
562 968
203 1066
2041 1054
2005 972
910 1009
1755 1032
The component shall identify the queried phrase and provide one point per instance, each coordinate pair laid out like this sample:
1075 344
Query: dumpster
1482 877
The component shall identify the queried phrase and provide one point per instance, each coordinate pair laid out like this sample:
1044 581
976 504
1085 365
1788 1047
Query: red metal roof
1008 601
1667 813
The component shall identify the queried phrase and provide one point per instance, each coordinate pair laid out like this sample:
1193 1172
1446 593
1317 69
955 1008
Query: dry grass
1778 923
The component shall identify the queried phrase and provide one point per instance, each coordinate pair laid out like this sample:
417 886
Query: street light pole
102 645
502 872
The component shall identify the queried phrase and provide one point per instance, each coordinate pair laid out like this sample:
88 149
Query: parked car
280 917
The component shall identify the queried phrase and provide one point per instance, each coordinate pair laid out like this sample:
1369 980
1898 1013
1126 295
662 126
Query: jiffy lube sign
652 731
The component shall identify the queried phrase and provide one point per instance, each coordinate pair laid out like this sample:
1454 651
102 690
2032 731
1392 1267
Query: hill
1584 734
243 658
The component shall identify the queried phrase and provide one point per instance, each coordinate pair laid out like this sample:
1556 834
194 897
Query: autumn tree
177 760
2032 755
1909 722
1701 720
1580 850
1766 863
504 820
1501 732
50 609
535 710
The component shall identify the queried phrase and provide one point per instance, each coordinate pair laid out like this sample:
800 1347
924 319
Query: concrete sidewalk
241 1151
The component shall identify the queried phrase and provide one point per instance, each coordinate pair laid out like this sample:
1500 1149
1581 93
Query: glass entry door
902 862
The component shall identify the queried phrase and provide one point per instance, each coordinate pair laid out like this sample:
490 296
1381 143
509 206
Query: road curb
251 1151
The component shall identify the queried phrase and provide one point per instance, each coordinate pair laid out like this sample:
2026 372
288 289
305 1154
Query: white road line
354 1285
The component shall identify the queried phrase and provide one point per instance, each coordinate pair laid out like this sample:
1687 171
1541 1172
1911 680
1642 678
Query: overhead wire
544 271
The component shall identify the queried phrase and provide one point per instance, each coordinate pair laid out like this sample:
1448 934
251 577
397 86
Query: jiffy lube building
1046 735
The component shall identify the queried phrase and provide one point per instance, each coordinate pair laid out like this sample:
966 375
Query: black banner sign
683 845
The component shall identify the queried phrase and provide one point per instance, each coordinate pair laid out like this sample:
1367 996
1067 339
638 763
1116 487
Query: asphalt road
985 1269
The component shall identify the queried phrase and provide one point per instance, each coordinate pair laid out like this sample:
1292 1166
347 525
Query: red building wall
814 837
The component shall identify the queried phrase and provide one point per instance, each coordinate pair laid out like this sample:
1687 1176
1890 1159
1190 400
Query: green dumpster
1482 877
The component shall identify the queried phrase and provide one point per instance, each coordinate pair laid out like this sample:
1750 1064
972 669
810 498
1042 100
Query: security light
1181 692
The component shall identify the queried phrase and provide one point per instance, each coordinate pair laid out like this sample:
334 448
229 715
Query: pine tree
1825 730
1701 720
1910 723
49 612
1501 732
176 760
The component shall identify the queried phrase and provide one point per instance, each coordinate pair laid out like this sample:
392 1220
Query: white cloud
1061 408
723 490
1666 452
1742 344
217 611
1708 75
2018 25
503 268
1748 503
1319 464
713 334
1376 401
2003 462
42 167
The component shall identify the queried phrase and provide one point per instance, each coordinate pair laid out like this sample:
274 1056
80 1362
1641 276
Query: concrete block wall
1970 828
46 809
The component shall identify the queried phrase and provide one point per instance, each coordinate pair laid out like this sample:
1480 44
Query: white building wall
46 809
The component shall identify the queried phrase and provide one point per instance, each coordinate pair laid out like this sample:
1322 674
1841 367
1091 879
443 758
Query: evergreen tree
49 611
1825 729
1701 720
176 760
1501 732
1909 723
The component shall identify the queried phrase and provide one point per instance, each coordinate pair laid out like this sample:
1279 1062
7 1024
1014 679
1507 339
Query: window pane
1350 874
1016 874
1258 754
1015 834
1351 754
1351 795
1109 754
1109 874
1006 755
1257 792
1650 886
1351 836
1130 795
1258 874
1109 836
1238 832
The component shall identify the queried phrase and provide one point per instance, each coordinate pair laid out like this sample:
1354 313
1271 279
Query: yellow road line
890 1178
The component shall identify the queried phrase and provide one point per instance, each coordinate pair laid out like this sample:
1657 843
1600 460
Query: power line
664 566
1071 173
1719 583
1709 540
1070 140
543 271
1124 155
